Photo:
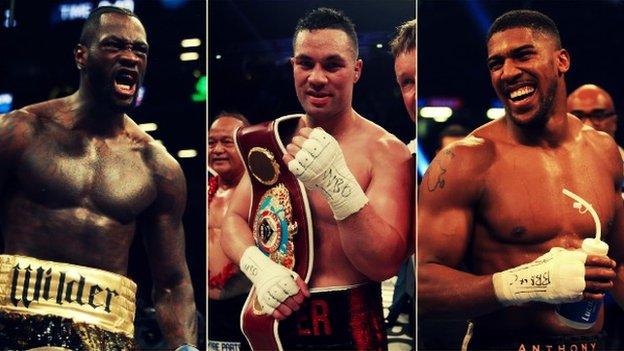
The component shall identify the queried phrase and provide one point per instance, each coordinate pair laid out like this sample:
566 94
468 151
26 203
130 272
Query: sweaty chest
524 202
110 179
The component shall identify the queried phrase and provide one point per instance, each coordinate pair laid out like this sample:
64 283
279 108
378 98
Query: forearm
447 292
176 313
236 237
373 246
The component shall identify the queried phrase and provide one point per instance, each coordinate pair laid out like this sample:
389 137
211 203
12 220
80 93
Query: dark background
254 75
452 54
37 65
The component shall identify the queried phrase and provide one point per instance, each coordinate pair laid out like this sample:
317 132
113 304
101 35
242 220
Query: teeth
522 91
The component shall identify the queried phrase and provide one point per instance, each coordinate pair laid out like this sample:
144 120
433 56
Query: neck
93 116
334 125
227 181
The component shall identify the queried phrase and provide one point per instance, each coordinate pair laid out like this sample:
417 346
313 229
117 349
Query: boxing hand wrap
320 165
274 283
555 277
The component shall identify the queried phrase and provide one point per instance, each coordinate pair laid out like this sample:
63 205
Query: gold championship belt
279 217
31 287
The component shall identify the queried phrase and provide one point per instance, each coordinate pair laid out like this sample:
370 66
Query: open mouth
521 93
126 82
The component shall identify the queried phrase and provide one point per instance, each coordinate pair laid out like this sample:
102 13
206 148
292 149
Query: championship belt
279 217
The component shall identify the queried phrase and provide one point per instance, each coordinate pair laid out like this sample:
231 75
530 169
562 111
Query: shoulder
603 146
17 129
162 164
167 176
459 170
472 155
18 118
35 116
597 139
383 144
30 115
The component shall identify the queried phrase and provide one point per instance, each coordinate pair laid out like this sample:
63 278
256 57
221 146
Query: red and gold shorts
342 318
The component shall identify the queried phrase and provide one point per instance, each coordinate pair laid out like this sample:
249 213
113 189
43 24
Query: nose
317 77
129 58
218 148
509 71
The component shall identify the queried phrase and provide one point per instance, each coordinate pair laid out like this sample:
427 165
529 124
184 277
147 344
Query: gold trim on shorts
86 295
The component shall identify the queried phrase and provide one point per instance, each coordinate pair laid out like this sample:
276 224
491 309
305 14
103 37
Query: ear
292 61
80 56
563 61
359 64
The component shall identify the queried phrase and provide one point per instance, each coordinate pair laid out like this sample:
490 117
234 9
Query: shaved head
594 106
591 94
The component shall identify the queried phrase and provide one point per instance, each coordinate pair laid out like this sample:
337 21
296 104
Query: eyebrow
514 50
328 58
118 38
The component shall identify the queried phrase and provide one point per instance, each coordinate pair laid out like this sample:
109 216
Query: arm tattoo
435 173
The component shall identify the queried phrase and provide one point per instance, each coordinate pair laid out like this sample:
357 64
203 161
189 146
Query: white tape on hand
555 277
274 283
320 165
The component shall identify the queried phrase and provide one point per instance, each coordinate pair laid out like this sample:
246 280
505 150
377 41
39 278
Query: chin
320 113
123 105
314 113
535 120
221 169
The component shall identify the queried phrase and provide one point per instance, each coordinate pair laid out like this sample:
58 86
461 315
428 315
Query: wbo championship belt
279 217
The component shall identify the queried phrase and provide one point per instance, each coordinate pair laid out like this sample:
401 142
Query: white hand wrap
555 277
320 165
274 283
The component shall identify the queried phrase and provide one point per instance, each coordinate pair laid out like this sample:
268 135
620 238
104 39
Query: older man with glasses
594 106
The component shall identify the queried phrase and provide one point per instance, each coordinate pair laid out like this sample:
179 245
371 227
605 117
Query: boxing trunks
347 318
224 324
530 341
45 303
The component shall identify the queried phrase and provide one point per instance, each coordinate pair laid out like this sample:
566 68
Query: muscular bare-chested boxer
359 238
77 177
494 200
227 287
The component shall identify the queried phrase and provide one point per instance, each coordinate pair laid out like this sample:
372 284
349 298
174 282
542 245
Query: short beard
542 116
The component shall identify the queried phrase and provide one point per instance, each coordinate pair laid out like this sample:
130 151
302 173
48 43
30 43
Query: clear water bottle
582 314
